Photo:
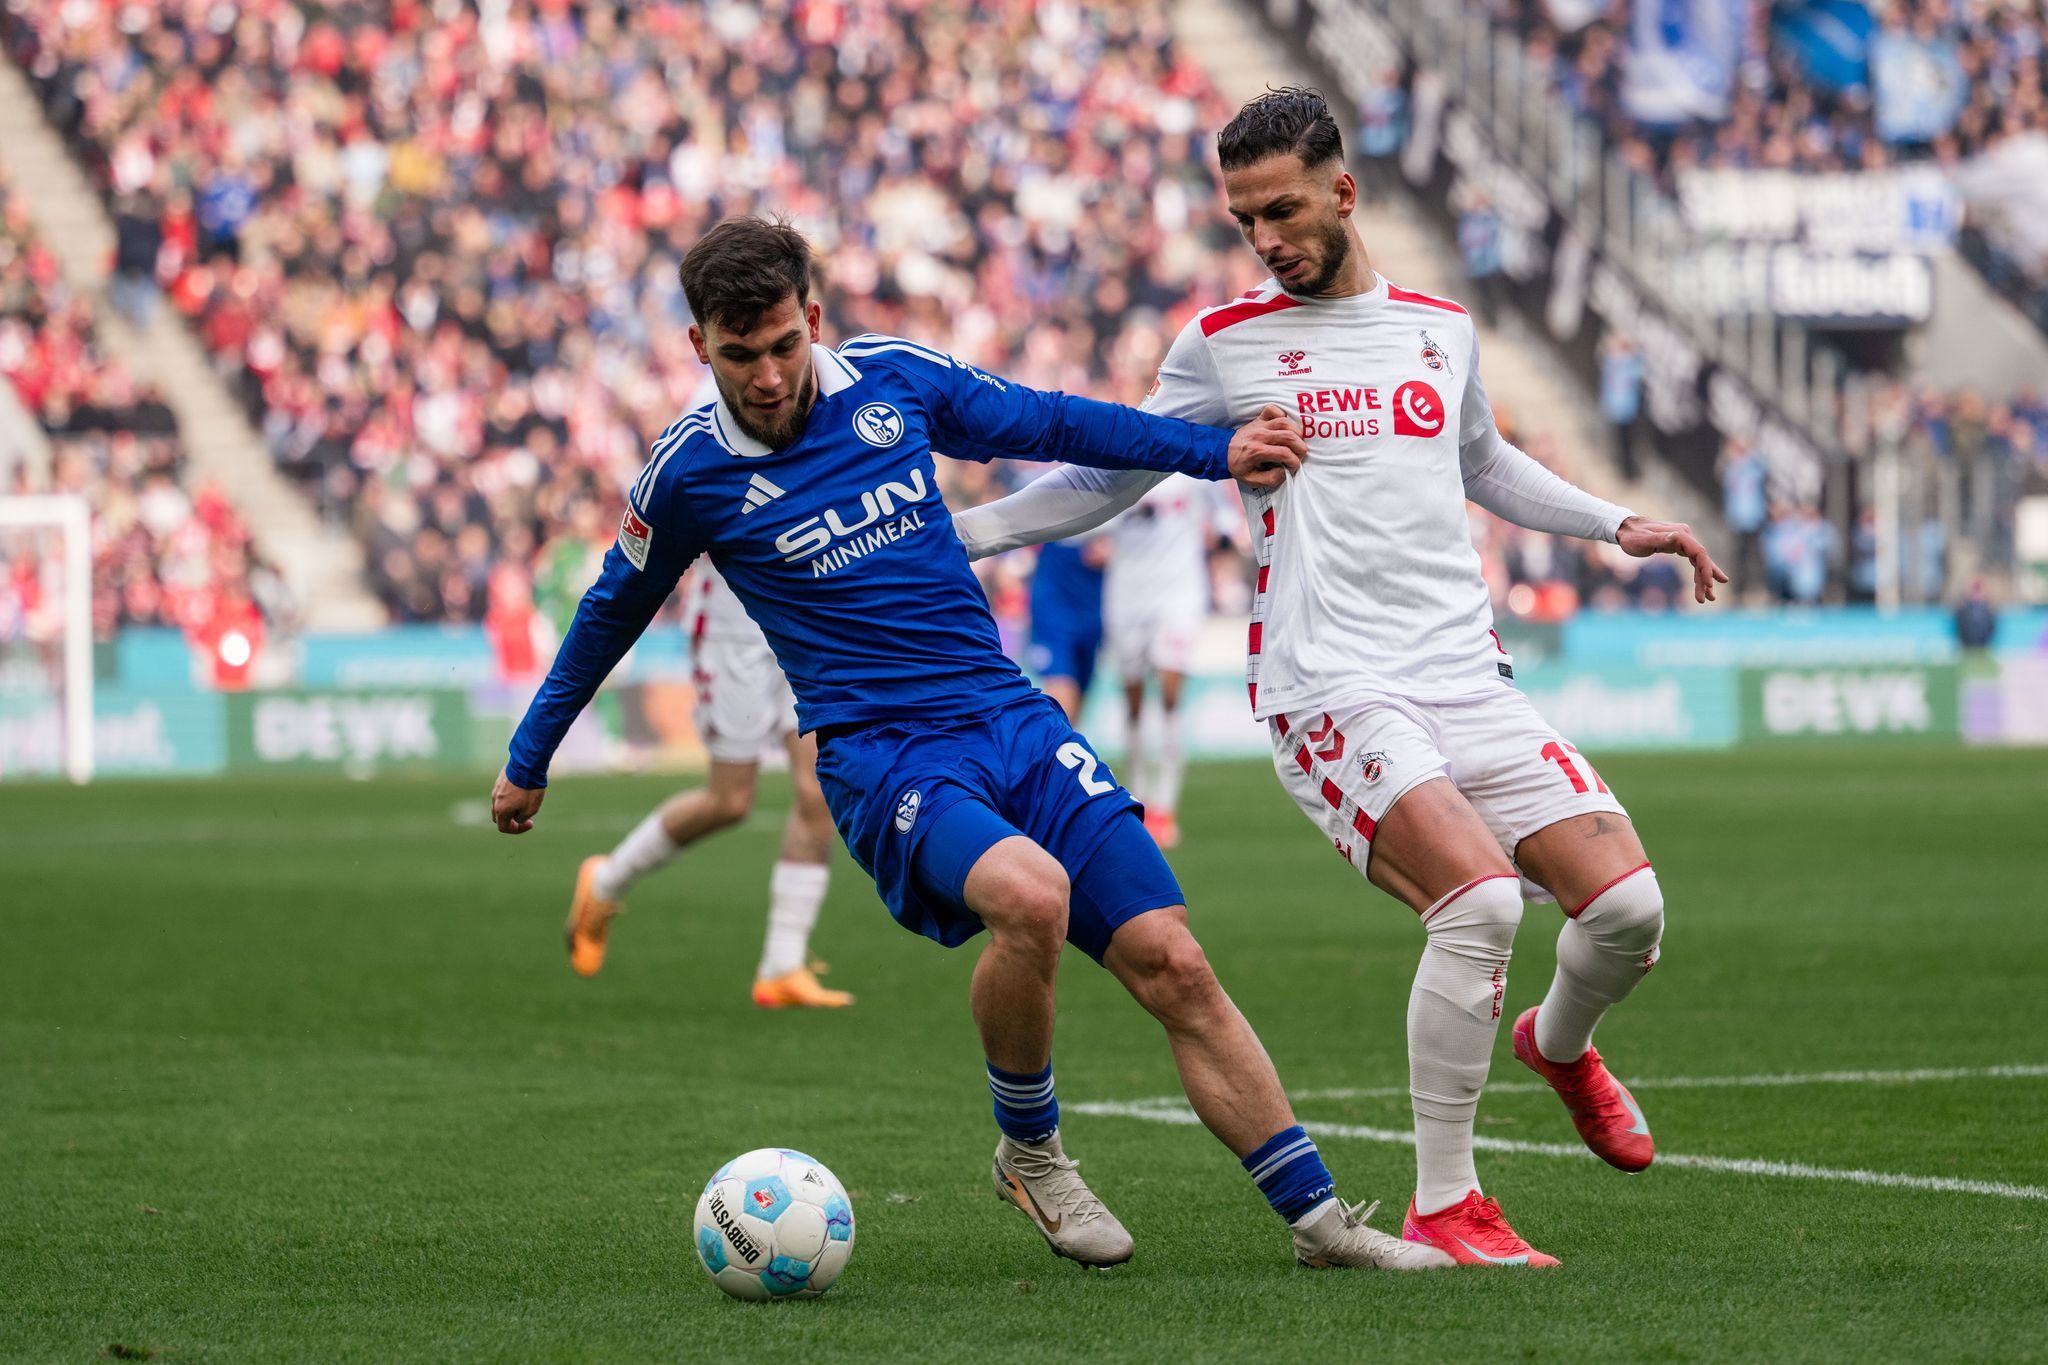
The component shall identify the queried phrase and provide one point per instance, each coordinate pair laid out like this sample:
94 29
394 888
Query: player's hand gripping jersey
1368 582
838 544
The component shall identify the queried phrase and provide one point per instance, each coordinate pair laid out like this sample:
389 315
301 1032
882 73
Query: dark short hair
1292 119
742 268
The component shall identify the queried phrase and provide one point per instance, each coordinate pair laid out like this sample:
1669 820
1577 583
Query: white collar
835 374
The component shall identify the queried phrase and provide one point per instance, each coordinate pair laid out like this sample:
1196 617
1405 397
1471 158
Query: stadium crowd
435 245
1962 450
163 552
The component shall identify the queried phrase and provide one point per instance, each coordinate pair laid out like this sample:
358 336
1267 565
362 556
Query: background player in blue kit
957 786
1066 619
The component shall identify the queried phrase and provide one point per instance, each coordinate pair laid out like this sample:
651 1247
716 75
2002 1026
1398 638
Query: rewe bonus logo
1417 410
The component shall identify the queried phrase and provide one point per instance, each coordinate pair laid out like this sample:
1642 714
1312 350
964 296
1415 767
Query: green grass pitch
296 1071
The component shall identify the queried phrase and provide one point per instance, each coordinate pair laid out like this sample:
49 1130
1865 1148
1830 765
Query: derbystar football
774 1224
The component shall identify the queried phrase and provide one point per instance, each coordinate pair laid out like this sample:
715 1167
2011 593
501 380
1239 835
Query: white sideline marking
1949 1073
1793 1170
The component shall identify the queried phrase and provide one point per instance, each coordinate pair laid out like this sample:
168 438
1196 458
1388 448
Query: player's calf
1454 1012
1608 944
1606 947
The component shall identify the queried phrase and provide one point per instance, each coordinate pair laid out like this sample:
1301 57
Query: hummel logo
1290 362
760 493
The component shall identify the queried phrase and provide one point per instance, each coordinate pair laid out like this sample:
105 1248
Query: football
774 1224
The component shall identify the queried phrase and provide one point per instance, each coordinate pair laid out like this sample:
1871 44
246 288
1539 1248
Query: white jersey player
1390 703
1155 594
744 704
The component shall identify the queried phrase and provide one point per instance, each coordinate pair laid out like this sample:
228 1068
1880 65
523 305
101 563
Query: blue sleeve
610 618
976 416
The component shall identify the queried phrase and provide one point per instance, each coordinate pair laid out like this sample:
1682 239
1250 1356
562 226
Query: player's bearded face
1294 216
764 374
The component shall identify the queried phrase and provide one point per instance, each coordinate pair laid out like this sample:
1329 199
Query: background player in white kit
743 705
1155 594
1395 724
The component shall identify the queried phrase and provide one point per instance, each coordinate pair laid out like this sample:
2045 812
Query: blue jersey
838 544
1066 592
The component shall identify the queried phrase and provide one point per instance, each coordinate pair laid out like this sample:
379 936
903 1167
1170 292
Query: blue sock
1290 1172
1025 1108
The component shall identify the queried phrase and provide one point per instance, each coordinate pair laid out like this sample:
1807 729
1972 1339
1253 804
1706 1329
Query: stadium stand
438 251
165 552
1965 458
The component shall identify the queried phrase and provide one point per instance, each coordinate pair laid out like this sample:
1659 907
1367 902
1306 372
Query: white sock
1453 1015
1602 953
638 854
1135 753
1166 792
795 891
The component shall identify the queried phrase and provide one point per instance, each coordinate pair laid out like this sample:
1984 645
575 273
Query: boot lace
1056 1179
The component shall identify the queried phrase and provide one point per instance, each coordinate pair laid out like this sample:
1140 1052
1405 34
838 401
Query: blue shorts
919 802
1063 654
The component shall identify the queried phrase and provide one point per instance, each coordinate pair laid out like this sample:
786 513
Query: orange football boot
1163 827
799 989
590 919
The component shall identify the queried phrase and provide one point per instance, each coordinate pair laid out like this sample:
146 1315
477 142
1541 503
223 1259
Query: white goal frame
69 513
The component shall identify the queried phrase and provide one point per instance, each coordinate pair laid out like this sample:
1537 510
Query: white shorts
743 700
1346 770
1158 637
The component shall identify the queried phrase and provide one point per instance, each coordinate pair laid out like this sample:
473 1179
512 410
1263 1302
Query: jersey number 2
1072 755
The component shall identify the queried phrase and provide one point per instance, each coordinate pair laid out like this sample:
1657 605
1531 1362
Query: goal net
45 638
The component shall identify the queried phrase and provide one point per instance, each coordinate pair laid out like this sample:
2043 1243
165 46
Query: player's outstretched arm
1642 538
612 615
1069 501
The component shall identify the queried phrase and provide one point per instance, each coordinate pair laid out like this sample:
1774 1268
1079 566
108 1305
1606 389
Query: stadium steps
1526 379
323 564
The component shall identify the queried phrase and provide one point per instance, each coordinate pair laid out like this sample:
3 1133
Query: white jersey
710 611
1159 550
1368 584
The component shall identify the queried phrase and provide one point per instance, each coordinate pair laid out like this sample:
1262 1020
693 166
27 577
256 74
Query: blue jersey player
960 789
1066 620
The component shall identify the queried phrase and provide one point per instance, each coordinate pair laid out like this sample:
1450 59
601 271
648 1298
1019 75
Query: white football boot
1335 1234
1041 1182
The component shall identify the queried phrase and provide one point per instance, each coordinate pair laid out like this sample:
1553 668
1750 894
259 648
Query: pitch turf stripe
1949 1073
1784 1170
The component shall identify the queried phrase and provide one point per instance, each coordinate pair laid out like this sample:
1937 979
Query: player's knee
1172 976
728 805
1030 904
1627 919
1478 921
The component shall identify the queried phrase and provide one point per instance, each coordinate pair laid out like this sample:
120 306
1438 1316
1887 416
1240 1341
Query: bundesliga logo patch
634 537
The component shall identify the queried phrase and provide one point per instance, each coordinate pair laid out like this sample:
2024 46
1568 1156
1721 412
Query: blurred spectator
1976 620
1744 505
1480 247
1798 549
1863 557
1621 398
1382 129
138 242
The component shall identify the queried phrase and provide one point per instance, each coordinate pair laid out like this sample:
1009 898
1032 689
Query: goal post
68 516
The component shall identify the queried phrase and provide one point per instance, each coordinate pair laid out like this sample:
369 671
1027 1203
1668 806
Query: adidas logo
760 492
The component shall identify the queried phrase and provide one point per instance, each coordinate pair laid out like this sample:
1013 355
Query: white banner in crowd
1918 208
